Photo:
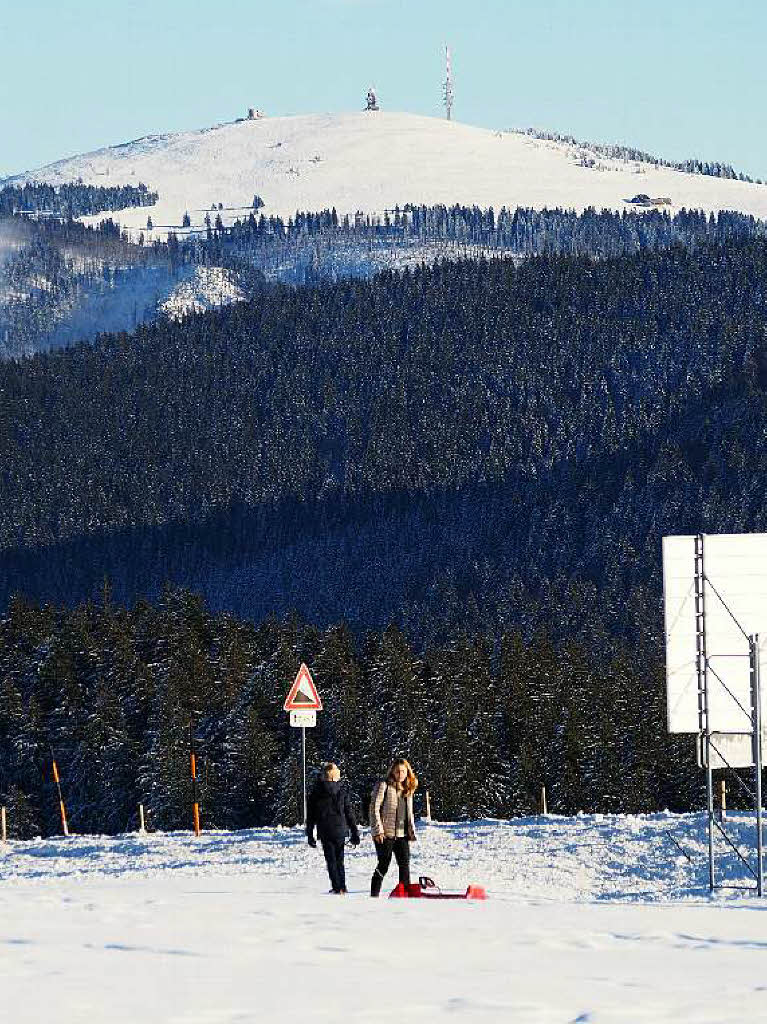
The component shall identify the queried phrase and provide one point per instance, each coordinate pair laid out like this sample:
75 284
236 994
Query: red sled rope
425 888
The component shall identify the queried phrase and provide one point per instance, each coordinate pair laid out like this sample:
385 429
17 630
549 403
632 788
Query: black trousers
401 850
334 858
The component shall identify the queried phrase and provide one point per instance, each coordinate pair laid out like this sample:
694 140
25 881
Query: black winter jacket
329 809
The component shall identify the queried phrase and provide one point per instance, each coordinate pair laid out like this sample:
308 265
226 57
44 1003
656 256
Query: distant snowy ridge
372 162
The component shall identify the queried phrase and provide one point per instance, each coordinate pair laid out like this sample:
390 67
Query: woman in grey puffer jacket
391 822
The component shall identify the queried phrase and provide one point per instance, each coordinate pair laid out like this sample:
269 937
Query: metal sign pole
703 717
757 713
303 702
303 764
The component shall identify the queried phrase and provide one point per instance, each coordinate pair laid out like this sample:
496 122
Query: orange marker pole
195 798
62 808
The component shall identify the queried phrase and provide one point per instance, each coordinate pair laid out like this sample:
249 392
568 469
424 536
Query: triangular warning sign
303 693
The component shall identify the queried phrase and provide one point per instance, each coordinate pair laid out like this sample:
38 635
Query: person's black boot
375 884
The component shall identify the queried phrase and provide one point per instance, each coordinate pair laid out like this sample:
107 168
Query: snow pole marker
141 823
544 810
3 828
722 800
195 795
62 808
428 806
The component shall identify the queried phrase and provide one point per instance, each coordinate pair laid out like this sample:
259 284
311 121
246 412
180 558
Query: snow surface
371 162
590 919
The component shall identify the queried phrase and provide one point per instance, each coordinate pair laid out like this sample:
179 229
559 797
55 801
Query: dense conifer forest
61 282
111 694
458 476
430 446
311 247
72 199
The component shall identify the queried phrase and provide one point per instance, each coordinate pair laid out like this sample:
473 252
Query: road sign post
303 702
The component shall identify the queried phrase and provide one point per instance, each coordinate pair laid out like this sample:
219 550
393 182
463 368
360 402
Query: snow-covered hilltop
372 162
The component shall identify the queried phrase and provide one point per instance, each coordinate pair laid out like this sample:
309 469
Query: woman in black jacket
330 810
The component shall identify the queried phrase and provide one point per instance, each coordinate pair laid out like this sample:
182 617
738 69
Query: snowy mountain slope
91 297
202 288
587 920
372 162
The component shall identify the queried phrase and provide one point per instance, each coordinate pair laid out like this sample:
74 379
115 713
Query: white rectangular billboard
735 589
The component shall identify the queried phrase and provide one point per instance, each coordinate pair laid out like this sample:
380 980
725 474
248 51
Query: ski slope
371 162
590 919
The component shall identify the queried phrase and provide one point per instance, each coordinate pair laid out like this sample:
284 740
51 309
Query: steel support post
701 663
756 711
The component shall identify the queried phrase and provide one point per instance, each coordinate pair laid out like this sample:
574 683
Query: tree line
72 199
61 269
112 693
616 151
523 231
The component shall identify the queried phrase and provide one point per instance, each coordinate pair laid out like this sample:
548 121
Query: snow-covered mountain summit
372 162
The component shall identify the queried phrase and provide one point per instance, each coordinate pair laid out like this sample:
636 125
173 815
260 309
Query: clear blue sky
677 77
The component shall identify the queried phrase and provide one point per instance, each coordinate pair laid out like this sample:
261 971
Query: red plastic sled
425 888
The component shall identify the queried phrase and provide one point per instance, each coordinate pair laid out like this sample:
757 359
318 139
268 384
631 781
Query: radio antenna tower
448 84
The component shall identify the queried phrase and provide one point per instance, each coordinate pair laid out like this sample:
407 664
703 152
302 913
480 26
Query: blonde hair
410 785
329 770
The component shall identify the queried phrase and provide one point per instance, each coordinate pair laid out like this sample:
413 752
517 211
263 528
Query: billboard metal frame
708 739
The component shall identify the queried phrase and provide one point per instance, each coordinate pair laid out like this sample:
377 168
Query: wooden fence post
722 800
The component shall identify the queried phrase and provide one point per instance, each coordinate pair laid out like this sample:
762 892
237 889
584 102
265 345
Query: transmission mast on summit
448 84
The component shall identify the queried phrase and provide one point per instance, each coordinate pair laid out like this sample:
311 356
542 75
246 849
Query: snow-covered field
371 162
592 919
